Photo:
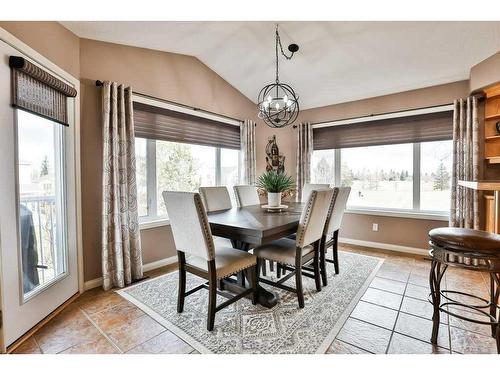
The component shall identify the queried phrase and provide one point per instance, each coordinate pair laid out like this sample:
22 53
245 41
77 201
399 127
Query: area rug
245 328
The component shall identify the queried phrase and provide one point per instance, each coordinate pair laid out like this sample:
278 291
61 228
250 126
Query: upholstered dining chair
332 231
215 198
193 237
246 195
307 188
292 255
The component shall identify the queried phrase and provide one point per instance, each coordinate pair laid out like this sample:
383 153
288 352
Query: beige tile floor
393 316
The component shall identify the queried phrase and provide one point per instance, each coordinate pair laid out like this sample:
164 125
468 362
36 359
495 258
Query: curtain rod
480 98
99 83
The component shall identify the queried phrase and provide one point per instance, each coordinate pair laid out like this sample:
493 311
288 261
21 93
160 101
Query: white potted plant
275 183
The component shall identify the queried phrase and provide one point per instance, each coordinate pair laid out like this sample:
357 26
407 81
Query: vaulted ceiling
337 61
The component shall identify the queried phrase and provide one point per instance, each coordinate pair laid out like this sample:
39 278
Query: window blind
427 127
164 124
39 92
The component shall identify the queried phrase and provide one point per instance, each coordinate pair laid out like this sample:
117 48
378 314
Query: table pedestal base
264 297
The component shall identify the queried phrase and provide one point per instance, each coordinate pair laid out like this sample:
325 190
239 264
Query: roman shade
427 127
160 123
39 92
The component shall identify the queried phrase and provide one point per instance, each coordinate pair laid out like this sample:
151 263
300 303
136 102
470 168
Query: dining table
250 226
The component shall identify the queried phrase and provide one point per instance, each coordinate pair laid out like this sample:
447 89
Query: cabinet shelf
493 117
493 159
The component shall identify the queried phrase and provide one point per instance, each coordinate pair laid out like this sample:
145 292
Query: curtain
465 202
304 154
248 153
121 242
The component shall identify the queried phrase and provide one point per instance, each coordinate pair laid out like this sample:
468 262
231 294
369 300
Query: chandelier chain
278 43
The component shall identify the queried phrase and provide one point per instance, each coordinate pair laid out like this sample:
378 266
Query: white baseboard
384 246
91 284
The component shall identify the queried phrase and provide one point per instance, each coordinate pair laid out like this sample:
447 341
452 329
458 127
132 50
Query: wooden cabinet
489 211
491 118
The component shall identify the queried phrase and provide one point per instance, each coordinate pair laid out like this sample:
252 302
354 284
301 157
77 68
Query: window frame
152 219
414 213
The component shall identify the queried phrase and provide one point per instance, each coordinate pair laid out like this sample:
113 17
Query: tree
347 175
176 167
441 178
324 171
44 168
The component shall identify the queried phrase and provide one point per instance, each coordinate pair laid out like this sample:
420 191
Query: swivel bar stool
469 249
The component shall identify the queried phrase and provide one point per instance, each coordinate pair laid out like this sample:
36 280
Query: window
42 200
164 165
401 177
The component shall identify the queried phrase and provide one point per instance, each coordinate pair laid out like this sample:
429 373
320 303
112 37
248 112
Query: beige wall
175 77
392 230
50 39
186 80
486 73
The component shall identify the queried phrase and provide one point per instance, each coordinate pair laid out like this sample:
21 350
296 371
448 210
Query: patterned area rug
244 328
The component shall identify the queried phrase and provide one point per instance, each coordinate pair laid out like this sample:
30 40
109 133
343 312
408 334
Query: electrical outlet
375 227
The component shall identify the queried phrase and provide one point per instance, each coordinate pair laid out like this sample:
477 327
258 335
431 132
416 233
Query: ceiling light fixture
277 102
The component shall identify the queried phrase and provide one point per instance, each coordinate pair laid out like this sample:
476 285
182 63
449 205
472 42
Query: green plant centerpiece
275 183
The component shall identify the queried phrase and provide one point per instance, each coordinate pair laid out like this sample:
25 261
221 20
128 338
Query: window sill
402 214
153 223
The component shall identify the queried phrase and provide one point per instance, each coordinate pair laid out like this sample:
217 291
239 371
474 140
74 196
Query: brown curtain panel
304 155
160 123
409 129
121 241
39 92
465 202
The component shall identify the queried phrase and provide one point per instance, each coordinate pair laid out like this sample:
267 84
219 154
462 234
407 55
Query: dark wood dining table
250 226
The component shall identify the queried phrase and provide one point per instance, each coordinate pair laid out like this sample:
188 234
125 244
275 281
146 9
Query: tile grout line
37 344
397 317
101 331
348 343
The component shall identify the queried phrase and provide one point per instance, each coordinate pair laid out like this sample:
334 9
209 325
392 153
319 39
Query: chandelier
277 102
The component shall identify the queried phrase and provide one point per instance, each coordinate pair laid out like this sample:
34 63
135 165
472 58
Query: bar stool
469 249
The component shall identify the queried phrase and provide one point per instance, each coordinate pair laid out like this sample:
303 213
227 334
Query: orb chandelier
277 102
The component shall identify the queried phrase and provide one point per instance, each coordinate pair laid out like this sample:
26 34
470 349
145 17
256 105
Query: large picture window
398 177
164 165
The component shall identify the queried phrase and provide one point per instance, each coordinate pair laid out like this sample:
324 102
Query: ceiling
337 61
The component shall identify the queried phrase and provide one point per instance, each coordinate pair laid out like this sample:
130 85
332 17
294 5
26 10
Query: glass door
38 248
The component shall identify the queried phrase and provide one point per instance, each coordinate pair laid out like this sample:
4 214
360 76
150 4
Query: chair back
308 188
189 224
338 210
313 218
246 195
215 198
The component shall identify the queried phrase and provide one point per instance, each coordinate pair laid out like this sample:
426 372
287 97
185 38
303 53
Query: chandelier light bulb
285 99
277 106
269 99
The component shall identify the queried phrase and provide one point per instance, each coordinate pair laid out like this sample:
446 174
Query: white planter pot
274 199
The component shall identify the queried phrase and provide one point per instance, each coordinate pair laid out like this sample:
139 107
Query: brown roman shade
160 123
428 127
39 92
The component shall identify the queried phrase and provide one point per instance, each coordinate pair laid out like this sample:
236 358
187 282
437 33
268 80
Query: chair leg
212 295
322 262
271 266
494 297
317 276
435 277
181 294
253 280
263 267
298 278
278 270
336 251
